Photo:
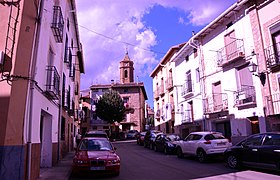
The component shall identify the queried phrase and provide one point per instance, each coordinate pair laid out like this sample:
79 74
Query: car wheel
138 142
165 150
201 156
232 161
155 148
180 153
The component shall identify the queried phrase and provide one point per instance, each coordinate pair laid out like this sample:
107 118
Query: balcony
187 116
169 83
217 102
72 72
52 85
187 89
66 103
57 24
246 96
273 104
68 57
272 57
71 110
156 94
231 52
161 89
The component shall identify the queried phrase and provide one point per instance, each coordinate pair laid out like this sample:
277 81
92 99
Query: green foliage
110 107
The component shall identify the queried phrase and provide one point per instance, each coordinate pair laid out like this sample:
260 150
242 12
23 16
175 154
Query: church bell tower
126 70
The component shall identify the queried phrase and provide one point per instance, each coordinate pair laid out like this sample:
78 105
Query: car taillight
207 142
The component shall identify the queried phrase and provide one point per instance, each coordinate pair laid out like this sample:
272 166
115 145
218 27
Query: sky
146 29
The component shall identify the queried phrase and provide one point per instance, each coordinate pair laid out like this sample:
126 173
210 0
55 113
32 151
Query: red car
96 156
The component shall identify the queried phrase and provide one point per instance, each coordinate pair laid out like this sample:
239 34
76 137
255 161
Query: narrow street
139 163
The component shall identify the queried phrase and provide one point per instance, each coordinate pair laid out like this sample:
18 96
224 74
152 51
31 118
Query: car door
186 142
193 144
269 152
250 149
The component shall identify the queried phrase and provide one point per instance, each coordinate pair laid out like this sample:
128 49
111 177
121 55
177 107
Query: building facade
164 93
222 90
41 62
133 95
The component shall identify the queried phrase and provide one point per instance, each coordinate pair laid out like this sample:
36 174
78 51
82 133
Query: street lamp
253 69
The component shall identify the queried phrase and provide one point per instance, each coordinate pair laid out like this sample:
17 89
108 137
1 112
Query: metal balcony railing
169 83
216 102
247 94
273 104
187 88
230 52
187 116
57 24
72 72
52 84
156 94
272 55
161 89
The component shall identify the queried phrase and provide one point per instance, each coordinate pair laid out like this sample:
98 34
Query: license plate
98 168
219 144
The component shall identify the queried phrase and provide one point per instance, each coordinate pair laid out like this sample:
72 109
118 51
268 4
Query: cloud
109 27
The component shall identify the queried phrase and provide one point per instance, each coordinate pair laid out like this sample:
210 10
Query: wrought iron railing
273 104
247 94
230 52
216 102
57 24
272 55
52 84
187 116
169 83
187 88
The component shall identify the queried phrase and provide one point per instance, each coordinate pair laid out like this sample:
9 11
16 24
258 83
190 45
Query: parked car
202 145
150 137
260 150
96 155
131 134
140 137
165 143
96 134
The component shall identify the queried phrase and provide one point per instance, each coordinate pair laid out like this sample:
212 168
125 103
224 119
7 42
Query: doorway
46 139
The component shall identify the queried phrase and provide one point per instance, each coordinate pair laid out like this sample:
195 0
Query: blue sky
146 28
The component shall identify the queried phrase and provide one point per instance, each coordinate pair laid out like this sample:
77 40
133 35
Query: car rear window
213 136
96 135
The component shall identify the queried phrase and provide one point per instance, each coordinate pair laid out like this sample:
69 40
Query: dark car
149 138
164 143
259 150
96 155
131 134
140 138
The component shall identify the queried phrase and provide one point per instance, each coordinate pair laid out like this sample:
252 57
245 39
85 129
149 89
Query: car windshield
214 136
172 137
95 145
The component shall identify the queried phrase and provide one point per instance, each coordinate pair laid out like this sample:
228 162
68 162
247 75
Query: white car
202 145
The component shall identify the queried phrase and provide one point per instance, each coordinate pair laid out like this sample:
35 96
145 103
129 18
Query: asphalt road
139 163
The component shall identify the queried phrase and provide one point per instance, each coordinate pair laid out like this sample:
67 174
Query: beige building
40 64
163 86
132 93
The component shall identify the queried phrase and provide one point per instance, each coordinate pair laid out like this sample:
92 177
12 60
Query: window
125 73
66 49
253 141
195 52
197 75
62 129
125 99
272 140
187 58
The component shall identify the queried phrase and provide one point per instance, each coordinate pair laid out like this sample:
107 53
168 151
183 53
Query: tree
110 107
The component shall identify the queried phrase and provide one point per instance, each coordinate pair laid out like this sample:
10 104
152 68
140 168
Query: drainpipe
31 86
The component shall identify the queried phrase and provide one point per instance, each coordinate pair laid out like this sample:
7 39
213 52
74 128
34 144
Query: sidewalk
62 169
